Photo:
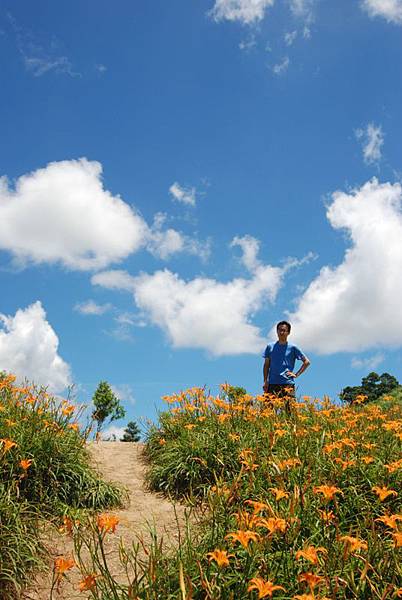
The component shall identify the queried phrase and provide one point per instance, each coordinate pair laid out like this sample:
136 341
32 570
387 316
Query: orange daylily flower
273 524
245 519
311 579
265 588
10 423
353 544
73 426
88 583
221 557
107 522
397 539
257 506
62 564
398 593
327 516
390 520
328 491
162 442
311 553
25 463
345 463
189 426
367 459
243 537
67 526
394 466
289 463
369 445
234 437
383 492
7 444
279 494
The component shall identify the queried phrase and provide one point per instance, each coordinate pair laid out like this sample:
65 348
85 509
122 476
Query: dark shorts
285 391
280 389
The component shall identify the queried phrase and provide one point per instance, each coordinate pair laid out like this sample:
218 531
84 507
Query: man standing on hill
279 363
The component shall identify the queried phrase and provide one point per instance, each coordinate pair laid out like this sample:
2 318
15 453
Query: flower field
45 475
302 506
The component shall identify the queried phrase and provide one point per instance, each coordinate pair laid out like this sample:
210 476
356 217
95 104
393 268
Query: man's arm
305 365
267 363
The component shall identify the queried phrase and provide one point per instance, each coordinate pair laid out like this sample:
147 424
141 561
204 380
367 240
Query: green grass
56 480
225 456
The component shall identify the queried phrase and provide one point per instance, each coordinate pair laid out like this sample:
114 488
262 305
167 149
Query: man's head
283 329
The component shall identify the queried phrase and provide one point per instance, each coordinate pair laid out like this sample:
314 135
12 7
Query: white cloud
101 68
303 9
248 44
250 247
391 10
369 363
164 243
112 433
62 213
282 66
40 59
372 139
182 194
290 37
124 392
92 308
115 280
40 65
353 307
245 11
203 312
29 348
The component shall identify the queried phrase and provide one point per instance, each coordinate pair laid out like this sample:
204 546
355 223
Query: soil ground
123 463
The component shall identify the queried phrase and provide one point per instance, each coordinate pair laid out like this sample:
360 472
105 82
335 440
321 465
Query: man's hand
291 374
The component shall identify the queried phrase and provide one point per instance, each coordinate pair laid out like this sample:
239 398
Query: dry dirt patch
123 463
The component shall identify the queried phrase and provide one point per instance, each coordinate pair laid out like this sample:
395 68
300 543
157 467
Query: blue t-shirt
283 357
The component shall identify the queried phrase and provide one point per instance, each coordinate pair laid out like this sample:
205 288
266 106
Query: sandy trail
123 463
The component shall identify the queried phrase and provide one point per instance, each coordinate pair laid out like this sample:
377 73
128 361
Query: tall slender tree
107 405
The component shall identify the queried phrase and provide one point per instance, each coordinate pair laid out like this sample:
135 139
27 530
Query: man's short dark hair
288 325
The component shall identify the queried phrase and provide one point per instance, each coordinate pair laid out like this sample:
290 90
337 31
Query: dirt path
120 462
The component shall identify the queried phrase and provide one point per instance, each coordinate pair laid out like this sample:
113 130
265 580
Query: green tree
373 386
131 433
107 405
234 393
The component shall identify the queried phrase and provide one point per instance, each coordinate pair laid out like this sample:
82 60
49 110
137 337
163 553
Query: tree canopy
373 386
107 405
131 433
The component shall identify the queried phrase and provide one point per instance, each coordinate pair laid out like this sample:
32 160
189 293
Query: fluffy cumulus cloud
29 348
391 10
245 11
355 306
372 140
203 312
63 214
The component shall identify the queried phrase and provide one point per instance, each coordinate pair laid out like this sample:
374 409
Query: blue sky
179 176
